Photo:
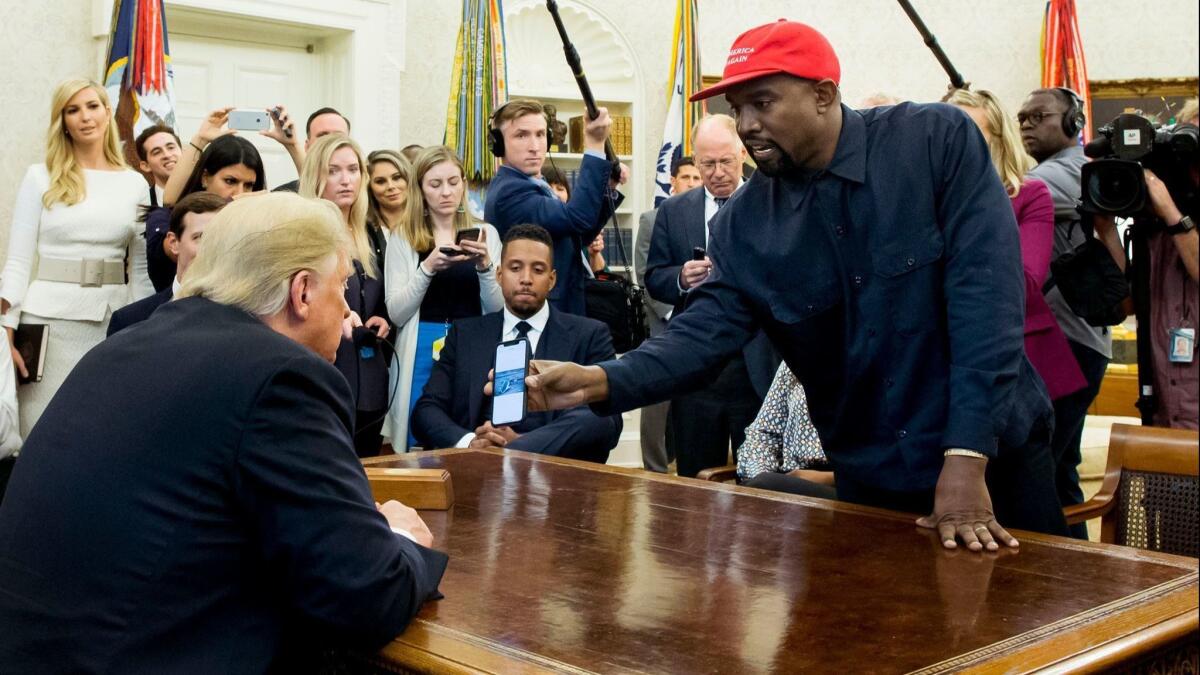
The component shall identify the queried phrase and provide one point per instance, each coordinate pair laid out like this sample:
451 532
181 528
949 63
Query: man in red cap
878 250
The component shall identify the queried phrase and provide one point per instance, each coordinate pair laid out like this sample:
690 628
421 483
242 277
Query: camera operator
1174 300
1050 121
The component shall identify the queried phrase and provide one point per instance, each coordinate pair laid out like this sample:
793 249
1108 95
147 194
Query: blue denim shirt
891 284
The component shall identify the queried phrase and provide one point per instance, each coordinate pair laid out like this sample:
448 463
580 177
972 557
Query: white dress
103 226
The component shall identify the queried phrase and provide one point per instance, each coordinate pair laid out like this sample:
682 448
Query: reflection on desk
564 566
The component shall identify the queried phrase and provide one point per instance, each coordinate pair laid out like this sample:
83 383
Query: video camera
1113 182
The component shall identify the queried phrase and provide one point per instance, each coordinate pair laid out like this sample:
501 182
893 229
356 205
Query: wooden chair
1150 497
719 474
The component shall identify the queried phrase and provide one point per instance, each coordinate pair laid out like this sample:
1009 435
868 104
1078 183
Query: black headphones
495 138
1073 119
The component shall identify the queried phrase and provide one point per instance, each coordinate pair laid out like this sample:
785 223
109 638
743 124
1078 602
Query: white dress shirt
537 324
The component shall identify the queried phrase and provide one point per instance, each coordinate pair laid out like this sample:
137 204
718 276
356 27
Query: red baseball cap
782 47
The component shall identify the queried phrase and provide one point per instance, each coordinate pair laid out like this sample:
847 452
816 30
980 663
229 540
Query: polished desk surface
561 566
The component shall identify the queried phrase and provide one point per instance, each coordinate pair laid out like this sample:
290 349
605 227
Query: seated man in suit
188 220
518 194
705 422
192 489
453 411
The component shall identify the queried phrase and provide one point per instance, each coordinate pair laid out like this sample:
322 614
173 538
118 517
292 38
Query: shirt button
901 434
841 231
871 332
858 281
810 307
910 262
889 382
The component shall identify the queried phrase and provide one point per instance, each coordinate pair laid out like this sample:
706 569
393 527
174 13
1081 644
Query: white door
214 72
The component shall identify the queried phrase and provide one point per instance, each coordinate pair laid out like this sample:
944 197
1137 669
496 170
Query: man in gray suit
656 456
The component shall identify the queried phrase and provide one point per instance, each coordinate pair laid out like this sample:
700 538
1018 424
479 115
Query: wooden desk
561 566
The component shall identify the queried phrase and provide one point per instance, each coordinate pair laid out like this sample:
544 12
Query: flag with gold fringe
681 115
137 73
479 85
1063 64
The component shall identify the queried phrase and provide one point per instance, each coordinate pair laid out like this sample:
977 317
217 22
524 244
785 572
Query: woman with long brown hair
434 278
77 212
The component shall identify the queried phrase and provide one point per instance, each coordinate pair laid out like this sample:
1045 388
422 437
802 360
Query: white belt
85 272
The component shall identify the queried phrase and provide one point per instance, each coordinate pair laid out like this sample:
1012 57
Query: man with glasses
704 422
1050 121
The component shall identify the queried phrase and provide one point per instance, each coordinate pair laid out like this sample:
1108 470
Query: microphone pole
956 78
585 90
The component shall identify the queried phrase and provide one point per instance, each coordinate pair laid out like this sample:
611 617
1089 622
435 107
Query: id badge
1183 345
437 347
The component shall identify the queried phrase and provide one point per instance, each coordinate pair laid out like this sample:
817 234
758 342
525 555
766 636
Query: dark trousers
1020 481
367 425
1069 414
6 469
781 482
705 422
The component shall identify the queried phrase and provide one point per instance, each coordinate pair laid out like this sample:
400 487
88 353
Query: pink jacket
1044 341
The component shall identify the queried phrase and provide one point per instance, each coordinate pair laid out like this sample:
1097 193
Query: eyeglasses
727 164
1035 117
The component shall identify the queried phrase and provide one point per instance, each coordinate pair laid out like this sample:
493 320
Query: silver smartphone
249 120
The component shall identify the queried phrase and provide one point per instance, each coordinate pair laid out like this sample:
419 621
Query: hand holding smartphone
698 253
510 367
249 120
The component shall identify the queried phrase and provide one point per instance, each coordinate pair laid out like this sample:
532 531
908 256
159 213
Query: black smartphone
698 253
510 365
450 250
471 233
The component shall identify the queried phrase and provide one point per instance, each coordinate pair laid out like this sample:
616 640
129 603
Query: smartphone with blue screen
511 365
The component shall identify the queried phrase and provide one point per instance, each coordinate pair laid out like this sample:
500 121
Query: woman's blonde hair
312 183
1003 137
1189 111
254 246
67 184
417 226
374 214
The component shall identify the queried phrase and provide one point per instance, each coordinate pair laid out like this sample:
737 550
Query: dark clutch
31 339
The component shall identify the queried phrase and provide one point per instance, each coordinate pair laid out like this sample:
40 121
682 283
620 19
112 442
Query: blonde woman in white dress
74 254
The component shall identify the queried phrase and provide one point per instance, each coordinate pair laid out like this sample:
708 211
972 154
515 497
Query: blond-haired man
193 486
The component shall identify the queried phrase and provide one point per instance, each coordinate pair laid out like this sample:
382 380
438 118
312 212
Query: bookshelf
537 70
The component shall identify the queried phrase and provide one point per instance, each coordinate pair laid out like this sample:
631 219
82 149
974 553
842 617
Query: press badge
1183 345
437 347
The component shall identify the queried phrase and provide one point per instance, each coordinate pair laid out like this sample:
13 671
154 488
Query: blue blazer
453 403
678 228
192 489
139 311
514 198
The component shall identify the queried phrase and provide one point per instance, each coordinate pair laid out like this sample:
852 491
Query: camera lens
1114 186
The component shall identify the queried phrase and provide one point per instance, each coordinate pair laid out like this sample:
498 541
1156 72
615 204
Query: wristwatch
1184 226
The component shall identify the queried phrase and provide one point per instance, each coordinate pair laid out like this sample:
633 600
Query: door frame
361 44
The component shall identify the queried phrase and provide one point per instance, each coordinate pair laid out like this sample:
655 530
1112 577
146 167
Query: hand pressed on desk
962 507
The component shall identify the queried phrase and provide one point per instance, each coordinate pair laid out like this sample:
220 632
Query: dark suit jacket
139 311
192 486
678 228
368 377
159 267
453 404
514 198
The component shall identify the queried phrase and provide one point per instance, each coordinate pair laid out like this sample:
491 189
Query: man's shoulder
920 115
290 186
686 200
577 325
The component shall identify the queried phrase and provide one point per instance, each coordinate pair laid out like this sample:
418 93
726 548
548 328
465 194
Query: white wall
993 43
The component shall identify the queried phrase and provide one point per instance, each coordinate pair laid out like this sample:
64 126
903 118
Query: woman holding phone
215 160
440 267
334 170
76 213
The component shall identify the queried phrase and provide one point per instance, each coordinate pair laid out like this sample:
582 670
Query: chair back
1157 501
